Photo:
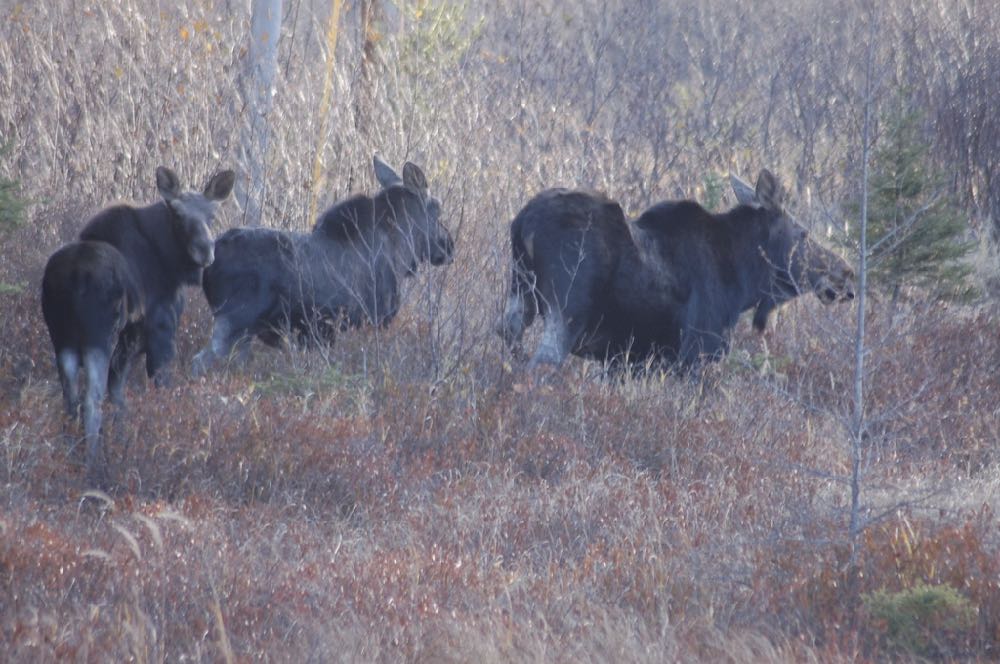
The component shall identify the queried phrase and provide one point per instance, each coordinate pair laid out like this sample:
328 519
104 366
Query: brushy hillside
412 494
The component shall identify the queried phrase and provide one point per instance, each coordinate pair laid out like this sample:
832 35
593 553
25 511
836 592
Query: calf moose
344 273
115 293
667 288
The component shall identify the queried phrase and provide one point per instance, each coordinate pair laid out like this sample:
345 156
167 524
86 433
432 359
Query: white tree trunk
258 92
858 421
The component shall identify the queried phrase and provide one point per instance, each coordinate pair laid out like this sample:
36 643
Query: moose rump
88 296
566 247
345 273
668 287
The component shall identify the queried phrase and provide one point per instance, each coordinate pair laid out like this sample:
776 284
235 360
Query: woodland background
411 494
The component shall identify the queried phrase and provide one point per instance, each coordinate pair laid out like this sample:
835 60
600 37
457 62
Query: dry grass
411 494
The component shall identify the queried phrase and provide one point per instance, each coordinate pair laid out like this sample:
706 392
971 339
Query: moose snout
202 254
442 252
831 288
831 295
207 255
847 287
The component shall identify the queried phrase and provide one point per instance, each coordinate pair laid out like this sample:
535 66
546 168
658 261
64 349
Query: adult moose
668 287
346 272
115 293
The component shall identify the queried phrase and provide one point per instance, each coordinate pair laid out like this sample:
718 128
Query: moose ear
745 194
384 173
769 191
413 178
168 183
219 187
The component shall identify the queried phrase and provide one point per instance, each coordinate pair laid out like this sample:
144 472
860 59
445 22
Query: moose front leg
160 327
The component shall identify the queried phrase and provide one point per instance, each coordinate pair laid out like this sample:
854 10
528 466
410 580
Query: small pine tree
925 620
916 234
12 208
713 190
11 204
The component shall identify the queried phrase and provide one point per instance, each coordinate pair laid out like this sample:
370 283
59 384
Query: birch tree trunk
858 420
257 87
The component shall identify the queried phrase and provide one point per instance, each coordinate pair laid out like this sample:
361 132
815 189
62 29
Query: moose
665 289
345 273
115 293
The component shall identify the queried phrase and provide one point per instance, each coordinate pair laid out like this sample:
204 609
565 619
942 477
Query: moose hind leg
121 359
518 315
96 363
555 344
160 327
68 364
220 345
520 310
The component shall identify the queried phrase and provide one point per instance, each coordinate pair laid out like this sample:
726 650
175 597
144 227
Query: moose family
664 289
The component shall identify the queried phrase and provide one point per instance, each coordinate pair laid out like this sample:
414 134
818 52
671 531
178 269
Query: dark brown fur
345 273
667 288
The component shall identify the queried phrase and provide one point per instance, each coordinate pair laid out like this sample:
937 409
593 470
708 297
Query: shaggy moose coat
668 287
344 273
116 292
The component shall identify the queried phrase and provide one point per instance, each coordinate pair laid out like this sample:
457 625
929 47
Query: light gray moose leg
555 343
96 363
516 317
69 365
206 357
220 346
520 311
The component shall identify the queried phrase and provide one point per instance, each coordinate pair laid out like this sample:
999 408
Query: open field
412 494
